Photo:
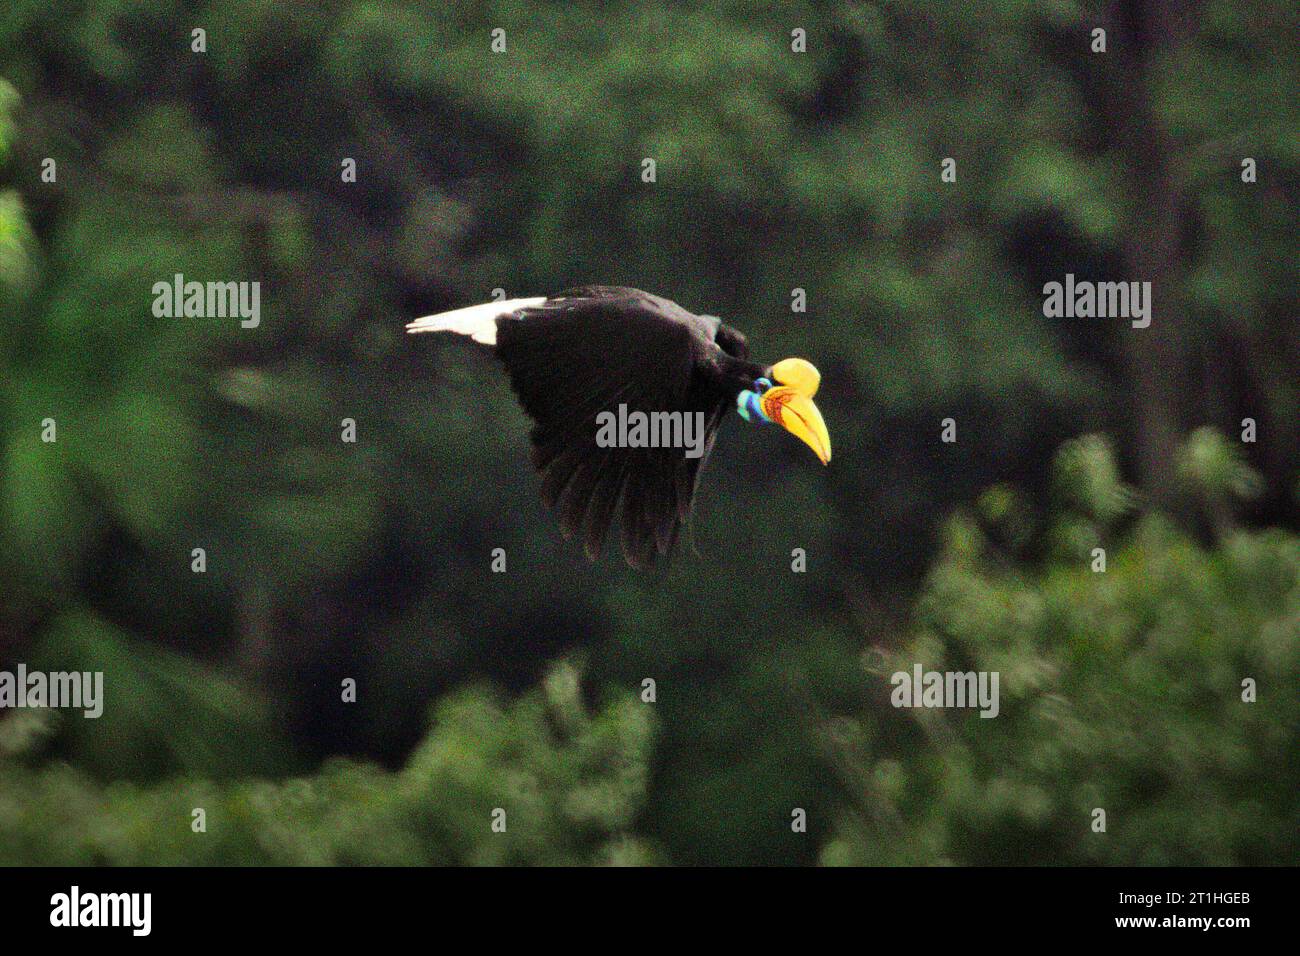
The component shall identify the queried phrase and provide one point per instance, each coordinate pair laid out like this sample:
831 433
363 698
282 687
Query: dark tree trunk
1155 358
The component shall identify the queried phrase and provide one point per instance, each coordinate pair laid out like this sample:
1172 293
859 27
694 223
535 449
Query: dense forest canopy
368 162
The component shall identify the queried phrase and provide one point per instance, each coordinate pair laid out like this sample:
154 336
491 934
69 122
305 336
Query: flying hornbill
586 351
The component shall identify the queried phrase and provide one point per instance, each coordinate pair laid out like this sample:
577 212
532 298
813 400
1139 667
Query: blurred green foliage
569 785
329 561
1121 690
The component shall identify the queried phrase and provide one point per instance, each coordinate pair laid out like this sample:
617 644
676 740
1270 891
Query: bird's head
784 396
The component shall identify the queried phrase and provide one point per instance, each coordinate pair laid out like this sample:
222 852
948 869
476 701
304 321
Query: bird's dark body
589 350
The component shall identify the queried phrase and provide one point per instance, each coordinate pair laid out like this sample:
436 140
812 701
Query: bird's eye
761 385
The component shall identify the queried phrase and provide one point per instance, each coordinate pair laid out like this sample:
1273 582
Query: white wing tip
479 322
426 324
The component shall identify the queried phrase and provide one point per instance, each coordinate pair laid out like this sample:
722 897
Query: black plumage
588 350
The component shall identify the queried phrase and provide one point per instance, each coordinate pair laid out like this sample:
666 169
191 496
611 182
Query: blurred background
777 170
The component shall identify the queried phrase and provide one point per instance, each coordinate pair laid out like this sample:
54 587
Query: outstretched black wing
587 351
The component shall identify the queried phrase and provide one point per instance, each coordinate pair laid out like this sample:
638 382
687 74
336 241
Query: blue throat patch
748 405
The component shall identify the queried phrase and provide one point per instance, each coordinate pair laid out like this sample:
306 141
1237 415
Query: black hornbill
581 354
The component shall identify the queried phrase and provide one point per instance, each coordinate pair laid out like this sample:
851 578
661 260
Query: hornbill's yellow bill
594 356
797 414
790 405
